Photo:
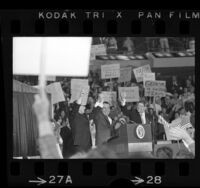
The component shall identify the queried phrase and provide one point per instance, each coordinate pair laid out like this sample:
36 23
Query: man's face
140 108
185 90
158 100
106 109
63 114
175 95
174 78
182 112
164 110
167 100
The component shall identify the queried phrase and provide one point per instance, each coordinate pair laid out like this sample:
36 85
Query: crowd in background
74 124
179 101
132 45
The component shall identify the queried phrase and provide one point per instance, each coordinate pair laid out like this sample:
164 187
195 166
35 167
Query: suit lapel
106 119
138 117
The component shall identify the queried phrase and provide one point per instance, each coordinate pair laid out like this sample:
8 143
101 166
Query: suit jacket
81 130
134 115
103 126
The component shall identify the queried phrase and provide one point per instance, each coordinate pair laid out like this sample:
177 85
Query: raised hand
123 98
79 101
100 98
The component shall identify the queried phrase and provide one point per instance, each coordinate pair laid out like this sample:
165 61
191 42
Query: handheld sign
64 56
110 71
98 49
148 76
78 86
131 93
125 74
109 96
139 72
155 88
56 92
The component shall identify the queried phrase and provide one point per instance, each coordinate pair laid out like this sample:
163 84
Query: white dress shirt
110 120
143 118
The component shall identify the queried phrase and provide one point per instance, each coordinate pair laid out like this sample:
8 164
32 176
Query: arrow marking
39 181
137 180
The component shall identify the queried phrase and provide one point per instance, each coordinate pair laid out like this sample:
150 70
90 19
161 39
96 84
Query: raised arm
123 104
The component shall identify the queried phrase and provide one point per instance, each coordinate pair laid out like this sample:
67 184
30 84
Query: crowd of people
127 45
83 131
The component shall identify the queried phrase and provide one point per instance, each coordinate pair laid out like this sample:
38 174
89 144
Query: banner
78 86
131 93
109 96
148 76
139 72
56 91
110 71
125 74
155 88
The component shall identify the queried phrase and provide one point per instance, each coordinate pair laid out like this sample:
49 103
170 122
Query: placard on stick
155 88
56 92
131 93
79 86
148 76
109 96
139 72
98 49
110 71
64 56
125 74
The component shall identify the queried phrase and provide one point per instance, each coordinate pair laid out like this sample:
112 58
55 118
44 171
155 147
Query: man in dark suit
137 115
80 128
102 122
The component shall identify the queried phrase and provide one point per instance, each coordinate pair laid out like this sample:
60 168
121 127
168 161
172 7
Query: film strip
100 172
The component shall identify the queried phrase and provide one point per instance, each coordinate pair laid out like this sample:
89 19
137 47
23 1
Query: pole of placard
178 145
42 76
153 123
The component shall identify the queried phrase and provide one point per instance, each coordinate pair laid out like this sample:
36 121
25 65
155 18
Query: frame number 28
154 180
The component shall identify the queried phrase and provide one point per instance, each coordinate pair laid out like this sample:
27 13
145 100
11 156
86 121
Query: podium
132 138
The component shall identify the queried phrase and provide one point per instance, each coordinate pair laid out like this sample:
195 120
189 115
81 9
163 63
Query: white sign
64 56
155 88
98 49
56 91
125 74
110 71
139 72
79 86
148 76
109 96
131 93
